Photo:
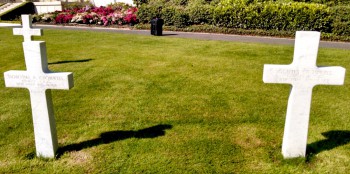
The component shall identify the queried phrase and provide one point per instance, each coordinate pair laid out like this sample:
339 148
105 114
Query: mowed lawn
145 104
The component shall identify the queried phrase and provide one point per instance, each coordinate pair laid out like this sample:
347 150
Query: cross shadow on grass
112 136
70 61
334 139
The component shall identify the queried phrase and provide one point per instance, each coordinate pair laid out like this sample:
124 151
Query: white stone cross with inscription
27 31
40 80
303 75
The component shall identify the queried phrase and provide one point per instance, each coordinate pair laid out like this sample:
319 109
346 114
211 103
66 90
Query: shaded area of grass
111 136
203 103
70 61
333 140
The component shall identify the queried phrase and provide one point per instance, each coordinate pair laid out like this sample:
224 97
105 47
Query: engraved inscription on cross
40 80
27 31
303 74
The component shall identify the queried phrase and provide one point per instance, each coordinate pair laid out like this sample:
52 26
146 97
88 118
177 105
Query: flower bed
111 15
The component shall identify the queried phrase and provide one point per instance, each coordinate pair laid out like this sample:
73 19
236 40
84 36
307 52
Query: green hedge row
281 15
179 13
341 20
270 33
273 16
327 2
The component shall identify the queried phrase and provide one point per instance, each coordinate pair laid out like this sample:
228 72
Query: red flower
63 18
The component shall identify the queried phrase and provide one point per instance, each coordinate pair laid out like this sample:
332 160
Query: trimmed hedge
168 14
200 12
223 30
273 16
181 18
327 2
279 15
341 20
147 11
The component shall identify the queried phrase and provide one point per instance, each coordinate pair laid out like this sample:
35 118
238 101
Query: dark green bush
326 2
277 15
200 12
147 12
178 2
181 18
273 16
168 15
229 14
143 13
299 16
341 20
140 2
213 3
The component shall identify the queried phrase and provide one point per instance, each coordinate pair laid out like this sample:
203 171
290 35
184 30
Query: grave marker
303 75
27 31
40 80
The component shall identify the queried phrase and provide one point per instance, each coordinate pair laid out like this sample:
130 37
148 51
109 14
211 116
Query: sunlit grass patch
145 104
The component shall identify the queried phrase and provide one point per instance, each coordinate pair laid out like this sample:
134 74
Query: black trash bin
153 26
157 26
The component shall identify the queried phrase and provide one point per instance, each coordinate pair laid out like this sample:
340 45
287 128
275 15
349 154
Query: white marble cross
303 75
40 80
27 31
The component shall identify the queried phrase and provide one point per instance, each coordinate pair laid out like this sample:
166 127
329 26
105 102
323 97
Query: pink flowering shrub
88 19
103 11
63 18
96 15
130 15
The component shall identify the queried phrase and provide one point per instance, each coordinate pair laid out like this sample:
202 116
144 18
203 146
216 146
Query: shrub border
223 30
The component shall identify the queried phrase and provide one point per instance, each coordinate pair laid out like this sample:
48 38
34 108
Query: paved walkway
202 36
9 25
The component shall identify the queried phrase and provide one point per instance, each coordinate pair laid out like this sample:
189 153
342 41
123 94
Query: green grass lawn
144 104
